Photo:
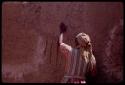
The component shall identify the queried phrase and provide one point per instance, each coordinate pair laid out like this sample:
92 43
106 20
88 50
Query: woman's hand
63 28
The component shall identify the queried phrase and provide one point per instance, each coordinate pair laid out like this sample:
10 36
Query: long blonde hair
84 53
83 38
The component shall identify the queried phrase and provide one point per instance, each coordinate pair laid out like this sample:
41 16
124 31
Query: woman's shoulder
66 46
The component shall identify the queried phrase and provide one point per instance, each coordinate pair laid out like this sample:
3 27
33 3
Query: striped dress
75 65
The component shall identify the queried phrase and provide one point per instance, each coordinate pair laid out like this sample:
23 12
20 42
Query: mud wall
30 33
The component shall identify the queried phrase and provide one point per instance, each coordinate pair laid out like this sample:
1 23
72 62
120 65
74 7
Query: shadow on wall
114 54
30 39
112 68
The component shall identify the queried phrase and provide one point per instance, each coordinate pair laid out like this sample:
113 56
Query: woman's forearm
61 38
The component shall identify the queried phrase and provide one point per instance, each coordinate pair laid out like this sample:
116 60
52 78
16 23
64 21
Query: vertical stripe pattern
75 61
80 66
69 66
76 65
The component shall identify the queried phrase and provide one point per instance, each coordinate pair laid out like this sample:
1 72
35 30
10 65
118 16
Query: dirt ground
30 33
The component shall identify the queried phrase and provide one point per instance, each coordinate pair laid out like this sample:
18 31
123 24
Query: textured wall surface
30 33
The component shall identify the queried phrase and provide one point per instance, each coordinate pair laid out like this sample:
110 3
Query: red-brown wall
30 33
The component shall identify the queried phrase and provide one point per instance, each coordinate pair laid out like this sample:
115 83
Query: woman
79 59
